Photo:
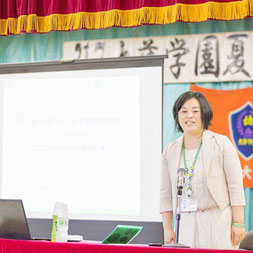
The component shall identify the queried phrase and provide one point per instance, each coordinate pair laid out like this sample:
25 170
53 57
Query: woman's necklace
190 172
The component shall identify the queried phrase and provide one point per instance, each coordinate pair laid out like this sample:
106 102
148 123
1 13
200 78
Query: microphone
181 178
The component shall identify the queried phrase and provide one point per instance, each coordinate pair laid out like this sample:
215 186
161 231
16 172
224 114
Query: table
20 246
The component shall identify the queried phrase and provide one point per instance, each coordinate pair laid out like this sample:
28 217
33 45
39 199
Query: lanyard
190 172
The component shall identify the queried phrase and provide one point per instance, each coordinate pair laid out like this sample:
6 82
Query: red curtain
17 16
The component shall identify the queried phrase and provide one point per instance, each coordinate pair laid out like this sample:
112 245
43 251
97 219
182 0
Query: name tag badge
188 205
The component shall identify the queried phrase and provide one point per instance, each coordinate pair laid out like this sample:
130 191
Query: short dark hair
205 108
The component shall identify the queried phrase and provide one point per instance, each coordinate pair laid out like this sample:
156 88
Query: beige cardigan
222 171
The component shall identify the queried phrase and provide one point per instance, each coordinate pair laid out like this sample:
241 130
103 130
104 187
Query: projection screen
87 133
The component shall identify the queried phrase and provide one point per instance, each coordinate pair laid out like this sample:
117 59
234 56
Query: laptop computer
13 222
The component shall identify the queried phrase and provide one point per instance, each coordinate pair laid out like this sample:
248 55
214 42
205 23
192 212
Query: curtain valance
42 16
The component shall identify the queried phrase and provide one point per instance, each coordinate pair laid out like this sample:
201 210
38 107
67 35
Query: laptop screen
13 222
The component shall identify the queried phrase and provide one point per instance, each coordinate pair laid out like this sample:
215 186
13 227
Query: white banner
194 58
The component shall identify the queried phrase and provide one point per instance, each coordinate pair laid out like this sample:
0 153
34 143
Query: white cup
61 209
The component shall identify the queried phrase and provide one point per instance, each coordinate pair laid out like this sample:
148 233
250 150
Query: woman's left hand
237 234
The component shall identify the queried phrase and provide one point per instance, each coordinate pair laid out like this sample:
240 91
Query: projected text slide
75 140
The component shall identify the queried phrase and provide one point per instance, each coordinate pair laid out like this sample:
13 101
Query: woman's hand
169 236
238 231
237 234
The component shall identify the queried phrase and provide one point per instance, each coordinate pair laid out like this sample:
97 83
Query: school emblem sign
241 129
233 117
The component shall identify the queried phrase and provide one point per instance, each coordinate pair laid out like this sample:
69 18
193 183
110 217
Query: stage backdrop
43 47
233 117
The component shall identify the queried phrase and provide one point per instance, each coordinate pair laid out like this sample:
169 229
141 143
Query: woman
213 182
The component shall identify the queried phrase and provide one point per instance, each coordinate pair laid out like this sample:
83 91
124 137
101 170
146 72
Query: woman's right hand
169 236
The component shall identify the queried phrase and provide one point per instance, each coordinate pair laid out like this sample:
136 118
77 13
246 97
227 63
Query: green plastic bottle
54 228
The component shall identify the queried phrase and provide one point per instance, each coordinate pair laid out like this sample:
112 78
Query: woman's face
189 117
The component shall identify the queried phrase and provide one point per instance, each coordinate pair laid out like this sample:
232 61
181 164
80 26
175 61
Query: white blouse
198 182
